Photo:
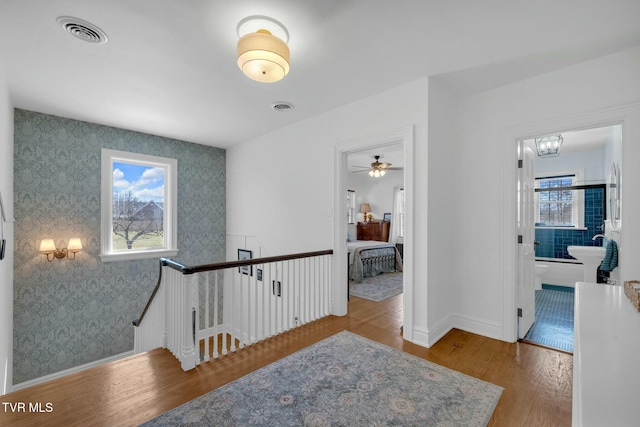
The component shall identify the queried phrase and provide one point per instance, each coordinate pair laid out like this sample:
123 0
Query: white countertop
606 358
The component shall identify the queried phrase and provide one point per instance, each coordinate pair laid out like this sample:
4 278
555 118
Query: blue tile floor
554 318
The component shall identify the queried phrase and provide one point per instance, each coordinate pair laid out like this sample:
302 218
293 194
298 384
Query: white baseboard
428 337
477 326
73 370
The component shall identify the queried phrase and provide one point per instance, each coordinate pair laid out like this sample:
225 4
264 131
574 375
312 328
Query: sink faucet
598 235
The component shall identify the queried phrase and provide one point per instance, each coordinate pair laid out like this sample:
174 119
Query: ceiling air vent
282 106
82 30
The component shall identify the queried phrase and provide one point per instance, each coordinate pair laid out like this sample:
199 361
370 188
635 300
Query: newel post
188 296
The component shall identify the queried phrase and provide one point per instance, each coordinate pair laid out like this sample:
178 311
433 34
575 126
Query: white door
526 234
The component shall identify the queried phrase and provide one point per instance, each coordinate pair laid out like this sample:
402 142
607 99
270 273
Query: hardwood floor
537 381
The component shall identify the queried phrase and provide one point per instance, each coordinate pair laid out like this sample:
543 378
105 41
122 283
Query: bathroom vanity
606 368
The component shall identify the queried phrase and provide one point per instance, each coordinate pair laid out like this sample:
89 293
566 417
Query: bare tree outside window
138 207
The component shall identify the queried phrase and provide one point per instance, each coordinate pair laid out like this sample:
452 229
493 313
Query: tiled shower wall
554 241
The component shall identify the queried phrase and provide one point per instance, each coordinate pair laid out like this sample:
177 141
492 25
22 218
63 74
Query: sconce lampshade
263 57
47 245
74 245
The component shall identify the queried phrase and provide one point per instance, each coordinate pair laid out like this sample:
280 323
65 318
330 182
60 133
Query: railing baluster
257 307
225 330
239 308
233 312
215 314
207 304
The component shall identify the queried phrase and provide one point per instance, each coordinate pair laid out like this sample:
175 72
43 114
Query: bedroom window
351 206
400 208
562 207
139 209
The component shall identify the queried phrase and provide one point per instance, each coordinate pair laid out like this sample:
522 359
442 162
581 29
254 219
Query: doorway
402 137
568 207
375 222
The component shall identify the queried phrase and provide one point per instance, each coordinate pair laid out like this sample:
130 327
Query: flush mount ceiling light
263 54
549 146
82 30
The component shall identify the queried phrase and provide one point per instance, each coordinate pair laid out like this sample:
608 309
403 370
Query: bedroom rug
377 288
554 318
344 380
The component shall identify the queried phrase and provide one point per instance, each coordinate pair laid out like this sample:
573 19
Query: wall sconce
48 247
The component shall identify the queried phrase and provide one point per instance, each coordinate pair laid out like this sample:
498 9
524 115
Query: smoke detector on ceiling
83 30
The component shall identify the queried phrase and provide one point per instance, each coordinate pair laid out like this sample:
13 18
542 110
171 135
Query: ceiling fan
377 168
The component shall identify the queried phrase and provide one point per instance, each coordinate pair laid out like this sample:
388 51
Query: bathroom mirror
614 195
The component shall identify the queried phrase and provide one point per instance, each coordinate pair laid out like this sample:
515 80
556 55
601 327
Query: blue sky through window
145 182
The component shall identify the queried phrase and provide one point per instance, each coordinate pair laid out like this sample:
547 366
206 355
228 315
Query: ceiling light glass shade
549 146
376 173
263 57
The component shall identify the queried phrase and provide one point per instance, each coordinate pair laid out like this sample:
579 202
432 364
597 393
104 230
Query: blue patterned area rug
344 380
377 288
554 318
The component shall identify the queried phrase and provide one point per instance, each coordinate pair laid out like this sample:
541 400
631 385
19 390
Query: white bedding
374 249
356 244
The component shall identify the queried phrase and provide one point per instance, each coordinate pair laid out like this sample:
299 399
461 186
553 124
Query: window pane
138 207
556 207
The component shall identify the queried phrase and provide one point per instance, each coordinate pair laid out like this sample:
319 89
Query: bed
370 258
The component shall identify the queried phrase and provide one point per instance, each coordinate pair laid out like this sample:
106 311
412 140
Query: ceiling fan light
263 57
382 172
371 173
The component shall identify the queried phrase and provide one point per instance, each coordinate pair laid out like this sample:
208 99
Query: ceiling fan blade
365 167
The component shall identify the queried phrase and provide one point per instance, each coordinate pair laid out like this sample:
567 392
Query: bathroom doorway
572 174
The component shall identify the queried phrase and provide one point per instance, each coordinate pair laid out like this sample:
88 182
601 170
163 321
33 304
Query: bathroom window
558 205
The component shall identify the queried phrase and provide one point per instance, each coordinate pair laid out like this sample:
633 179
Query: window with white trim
139 206
400 210
351 206
562 207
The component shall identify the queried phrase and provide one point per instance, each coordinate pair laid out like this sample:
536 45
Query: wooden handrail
242 263
137 321
165 262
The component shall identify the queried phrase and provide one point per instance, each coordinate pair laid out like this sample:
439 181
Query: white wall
283 182
6 265
378 192
480 277
442 167
590 161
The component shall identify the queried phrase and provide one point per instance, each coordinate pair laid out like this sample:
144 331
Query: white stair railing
203 312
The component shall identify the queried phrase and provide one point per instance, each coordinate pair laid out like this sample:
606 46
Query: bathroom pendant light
549 146
263 56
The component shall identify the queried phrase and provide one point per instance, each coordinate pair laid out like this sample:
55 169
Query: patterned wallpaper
69 313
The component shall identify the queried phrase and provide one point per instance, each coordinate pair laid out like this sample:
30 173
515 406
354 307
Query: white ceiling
584 139
169 67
